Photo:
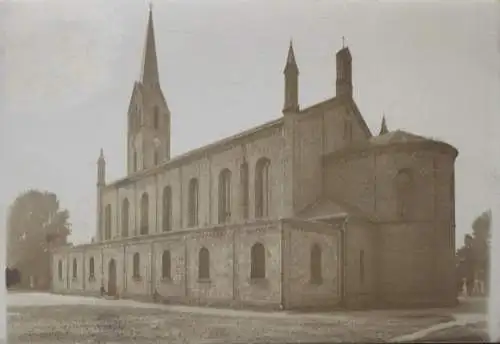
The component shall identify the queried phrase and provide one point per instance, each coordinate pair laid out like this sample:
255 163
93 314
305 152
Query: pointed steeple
149 68
383 127
291 64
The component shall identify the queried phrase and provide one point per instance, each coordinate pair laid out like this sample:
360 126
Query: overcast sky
69 69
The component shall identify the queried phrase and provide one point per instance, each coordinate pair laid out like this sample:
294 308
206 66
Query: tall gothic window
362 266
136 265
193 198
244 188
258 261
203 264
316 265
224 196
347 130
144 214
404 190
134 162
167 209
262 187
156 157
156 118
125 217
166 265
60 270
75 268
107 222
91 267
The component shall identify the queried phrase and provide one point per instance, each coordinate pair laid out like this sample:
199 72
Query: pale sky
70 66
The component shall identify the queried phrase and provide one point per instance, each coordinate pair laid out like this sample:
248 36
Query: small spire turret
344 71
383 127
101 169
291 73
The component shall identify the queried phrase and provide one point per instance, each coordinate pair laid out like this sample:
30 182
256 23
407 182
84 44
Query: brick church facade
308 210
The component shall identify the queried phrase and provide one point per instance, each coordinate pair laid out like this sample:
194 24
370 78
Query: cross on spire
150 5
343 42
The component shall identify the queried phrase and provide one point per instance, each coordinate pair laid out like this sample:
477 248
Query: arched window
107 222
244 188
404 190
316 265
258 261
262 187
60 270
193 203
224 196
136 271
91 267
347 130
362 266
204 264
156 157
75 267
125 217
134 162
156 118
166 265
167 209
144 214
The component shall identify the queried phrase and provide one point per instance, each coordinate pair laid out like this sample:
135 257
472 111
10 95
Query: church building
308 210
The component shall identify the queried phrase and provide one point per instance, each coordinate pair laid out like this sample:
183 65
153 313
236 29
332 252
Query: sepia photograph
249 171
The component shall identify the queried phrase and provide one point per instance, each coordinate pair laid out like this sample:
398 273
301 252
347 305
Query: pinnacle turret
291 64
383 127
291 104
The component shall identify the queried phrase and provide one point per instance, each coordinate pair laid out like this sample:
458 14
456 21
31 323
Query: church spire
383 127
149 72
290 59
291 82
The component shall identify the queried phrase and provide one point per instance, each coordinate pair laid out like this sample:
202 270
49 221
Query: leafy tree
481 233
473 257
34 226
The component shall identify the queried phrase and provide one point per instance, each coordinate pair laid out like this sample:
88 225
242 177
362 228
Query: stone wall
414 251
300 289
361 265
229 282
264 143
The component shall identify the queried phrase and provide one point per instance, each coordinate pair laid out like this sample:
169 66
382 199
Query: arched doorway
112 278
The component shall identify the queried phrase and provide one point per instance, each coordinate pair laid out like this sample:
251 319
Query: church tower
148 134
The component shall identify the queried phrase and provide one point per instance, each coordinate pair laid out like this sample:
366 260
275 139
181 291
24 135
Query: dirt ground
103 324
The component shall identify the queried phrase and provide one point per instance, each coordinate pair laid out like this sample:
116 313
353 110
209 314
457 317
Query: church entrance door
112 278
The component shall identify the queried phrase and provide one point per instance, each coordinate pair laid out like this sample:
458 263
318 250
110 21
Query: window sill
316 282
259 281
204 280
137 278
166 280
74 279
